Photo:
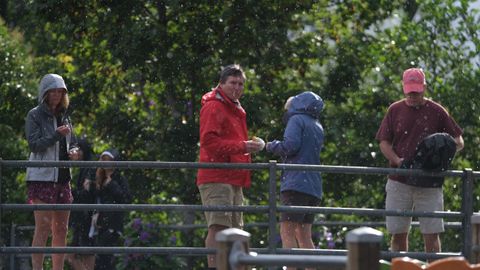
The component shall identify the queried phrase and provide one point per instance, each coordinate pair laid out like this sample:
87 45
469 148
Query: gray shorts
405 197
222 194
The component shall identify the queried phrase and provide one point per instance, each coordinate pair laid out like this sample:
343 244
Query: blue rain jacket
302 142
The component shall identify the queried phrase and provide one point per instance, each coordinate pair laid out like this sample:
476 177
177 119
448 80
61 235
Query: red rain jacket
223 132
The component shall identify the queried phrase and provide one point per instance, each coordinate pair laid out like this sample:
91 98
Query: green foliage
136 71
16 98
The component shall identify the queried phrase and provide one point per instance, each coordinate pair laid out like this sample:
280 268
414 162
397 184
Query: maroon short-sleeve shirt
405 126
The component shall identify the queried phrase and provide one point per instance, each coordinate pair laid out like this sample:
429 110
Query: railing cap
231 235
364 234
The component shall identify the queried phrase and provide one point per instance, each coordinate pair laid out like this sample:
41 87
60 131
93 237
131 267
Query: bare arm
389 153
459 142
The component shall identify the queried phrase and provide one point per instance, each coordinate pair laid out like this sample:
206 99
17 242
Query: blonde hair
63 103
288 103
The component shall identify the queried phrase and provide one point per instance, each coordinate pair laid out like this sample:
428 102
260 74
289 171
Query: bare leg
59 237
43 225
432 242
303 233
287 232
399 242
81 262
210 242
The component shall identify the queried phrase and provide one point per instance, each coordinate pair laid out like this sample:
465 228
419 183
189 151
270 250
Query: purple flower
330 242
144 236
173 240
137 224
128 241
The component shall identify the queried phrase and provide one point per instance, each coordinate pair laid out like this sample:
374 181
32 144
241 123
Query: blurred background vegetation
136 71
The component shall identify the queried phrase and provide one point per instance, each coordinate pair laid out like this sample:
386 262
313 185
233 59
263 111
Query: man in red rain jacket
224 139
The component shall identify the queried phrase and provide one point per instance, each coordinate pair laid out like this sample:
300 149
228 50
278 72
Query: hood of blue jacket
306 103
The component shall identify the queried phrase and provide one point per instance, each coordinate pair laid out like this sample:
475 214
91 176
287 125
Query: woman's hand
63 130
107 181
74 154
87 184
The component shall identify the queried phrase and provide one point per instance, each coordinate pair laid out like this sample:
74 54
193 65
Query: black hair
86 148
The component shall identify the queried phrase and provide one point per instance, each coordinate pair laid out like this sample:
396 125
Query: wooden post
363 246
225 240
474 252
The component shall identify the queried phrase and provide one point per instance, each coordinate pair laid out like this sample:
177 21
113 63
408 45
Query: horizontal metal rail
387 255
222 208
319 262
202 226
185 251
252 166
192 251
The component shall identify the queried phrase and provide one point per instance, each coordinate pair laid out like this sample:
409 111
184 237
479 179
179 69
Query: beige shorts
222 194
405 197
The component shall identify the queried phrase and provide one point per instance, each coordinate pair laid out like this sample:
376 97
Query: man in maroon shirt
406 123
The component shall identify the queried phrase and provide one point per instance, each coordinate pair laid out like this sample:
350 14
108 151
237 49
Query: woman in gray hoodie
49 134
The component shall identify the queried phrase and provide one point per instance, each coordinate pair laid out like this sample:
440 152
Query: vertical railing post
475 254
226 239
467 211
272 206
363 246
12 244
1 203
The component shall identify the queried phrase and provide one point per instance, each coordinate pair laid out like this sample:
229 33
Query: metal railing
464 215
363 253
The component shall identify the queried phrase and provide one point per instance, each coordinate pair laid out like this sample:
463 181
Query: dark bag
434 153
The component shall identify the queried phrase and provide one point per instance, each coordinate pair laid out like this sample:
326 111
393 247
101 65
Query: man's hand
396 163
252 146
387 150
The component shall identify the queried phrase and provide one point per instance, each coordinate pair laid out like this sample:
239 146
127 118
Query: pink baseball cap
413 80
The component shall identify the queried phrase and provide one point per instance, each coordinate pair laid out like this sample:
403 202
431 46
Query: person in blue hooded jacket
302 142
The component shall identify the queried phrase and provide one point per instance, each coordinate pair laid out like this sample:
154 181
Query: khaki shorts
405 197
222 194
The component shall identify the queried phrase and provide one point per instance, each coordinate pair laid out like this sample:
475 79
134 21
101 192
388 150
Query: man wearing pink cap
406 124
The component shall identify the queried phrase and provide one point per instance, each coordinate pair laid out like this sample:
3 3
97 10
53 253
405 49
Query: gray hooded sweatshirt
40 129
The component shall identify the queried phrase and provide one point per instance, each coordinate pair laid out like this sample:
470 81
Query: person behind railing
80 221
406 124
111 187
302 142
49 135
224 138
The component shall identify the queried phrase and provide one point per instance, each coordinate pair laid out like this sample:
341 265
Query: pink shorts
49 192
